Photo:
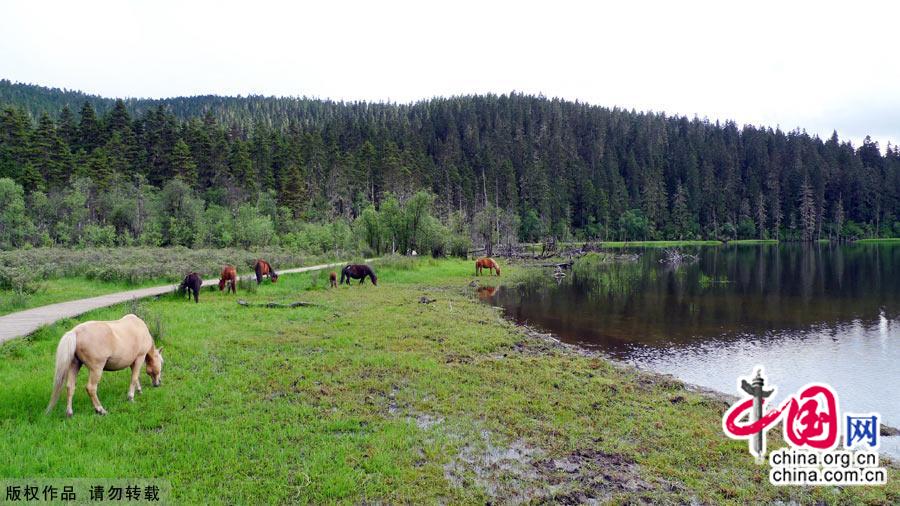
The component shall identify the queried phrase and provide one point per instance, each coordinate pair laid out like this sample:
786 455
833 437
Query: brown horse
228 277
486 263
264 268
333 279
358 271
191 284
105 346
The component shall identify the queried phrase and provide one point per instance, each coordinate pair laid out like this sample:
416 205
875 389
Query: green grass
657 244
753 241
373 396
886 240
64 289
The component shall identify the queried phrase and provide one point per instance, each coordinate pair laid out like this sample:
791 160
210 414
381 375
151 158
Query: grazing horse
105 346
228 277
191 284
264 268
486 263
333 279
358 271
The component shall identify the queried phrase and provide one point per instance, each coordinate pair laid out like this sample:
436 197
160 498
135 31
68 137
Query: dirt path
25 322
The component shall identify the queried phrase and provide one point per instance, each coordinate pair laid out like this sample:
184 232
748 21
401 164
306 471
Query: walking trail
25 322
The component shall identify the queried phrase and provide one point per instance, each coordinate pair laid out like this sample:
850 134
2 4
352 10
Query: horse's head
154 365
374 277
273 276
221 284
497 268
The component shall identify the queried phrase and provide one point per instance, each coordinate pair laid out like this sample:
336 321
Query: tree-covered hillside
499 167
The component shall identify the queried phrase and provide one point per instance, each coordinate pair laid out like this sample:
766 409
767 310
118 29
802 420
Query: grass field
374 396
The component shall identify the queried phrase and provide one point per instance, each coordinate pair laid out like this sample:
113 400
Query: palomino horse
358 271
105 346
264 268
228 277
486 263
191 284
332 278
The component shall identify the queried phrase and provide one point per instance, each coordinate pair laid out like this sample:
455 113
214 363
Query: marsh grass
325 404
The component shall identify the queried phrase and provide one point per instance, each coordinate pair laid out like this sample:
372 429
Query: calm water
827 313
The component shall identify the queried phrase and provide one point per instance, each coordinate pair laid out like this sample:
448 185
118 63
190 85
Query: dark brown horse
191 284
358 271
333 279
264 268
228 278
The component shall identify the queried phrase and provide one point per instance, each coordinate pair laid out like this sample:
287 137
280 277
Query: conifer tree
183 164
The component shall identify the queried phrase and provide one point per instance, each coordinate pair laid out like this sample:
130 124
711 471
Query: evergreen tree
183 163
89 131
807 211
50 155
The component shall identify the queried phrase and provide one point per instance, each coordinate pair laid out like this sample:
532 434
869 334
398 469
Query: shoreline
726 399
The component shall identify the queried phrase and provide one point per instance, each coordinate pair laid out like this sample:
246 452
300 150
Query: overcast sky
813 65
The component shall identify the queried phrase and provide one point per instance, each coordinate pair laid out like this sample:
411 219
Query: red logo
810 417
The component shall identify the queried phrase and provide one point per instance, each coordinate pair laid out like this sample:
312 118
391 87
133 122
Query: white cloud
818 65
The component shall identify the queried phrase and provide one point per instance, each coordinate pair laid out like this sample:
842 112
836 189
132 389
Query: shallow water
823 313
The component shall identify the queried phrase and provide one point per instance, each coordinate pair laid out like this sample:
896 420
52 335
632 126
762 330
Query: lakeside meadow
411 391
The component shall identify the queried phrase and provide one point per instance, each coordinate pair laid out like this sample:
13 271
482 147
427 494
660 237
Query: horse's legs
93 380
196 296
71 378
135 376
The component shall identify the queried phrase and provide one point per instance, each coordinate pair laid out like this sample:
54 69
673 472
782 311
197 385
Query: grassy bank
657 244
887 240
753 241
373 395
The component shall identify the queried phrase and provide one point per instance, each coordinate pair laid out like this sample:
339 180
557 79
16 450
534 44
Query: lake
817 312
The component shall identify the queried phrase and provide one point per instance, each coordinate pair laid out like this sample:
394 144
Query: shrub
99 236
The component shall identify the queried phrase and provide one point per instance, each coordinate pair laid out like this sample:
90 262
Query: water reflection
808 313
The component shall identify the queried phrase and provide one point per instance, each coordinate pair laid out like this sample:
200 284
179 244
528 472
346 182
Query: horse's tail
65 353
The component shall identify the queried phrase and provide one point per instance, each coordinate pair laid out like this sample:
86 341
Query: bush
460 246
252 228
99 236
